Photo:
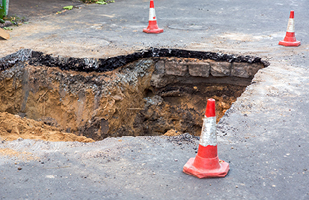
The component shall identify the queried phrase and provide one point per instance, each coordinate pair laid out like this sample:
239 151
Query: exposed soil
13 127
20 155
77 99
125 110
90 104
180 108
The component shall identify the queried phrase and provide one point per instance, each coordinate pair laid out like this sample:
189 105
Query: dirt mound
13 127
172 132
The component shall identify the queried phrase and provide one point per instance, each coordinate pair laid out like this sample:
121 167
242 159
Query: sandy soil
13 127
100 105
20 155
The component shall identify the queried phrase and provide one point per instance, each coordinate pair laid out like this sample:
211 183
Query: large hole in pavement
151 92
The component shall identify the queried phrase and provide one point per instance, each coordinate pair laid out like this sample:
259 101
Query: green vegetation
2 11
8 28
16 20
68 7
102 2
3 8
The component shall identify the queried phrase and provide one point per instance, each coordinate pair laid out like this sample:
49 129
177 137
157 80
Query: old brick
156 80
159 81
254 68
199 69
220 69
240 70
159 67
245 70
175 68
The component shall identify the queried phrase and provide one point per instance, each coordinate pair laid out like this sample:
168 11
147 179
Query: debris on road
4 34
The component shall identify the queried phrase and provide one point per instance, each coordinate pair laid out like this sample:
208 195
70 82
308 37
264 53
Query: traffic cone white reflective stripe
152 24
208 135
206 164
290 39
152 14
291 26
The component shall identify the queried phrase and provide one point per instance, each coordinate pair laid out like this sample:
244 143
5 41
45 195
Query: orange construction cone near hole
206 164
152 26
290 39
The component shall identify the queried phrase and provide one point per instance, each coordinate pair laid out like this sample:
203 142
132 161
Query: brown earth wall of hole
94 105
123 102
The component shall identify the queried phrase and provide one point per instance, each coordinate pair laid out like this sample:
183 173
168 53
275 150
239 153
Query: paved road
264 136
102 31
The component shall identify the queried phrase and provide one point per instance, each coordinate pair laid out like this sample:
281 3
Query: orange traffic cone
290 39
152 26
206 164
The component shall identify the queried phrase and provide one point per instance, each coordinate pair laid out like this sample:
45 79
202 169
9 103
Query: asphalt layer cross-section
263 136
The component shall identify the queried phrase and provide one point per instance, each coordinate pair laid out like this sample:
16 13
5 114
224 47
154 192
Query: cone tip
211 108
292 14
151 4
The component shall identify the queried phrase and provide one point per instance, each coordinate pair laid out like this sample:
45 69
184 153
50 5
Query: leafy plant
68 7
8 28
102 2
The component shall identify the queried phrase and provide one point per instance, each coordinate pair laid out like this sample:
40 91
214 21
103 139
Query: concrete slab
263 136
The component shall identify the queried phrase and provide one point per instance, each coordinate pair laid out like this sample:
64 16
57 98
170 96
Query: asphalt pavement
264 135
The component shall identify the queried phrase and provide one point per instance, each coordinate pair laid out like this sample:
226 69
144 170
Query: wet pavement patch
149 92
